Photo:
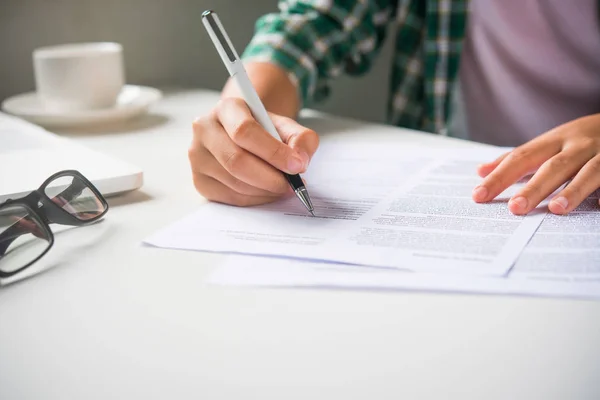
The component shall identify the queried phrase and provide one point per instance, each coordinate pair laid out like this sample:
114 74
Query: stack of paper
394 218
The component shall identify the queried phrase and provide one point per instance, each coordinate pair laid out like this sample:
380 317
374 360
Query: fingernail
295 164
561 202
518 204
480 193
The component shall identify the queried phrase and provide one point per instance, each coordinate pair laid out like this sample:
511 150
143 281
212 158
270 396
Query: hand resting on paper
570 151
234 160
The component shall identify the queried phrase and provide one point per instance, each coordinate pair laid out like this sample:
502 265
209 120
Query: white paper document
277 272
379 206
562 260
565 248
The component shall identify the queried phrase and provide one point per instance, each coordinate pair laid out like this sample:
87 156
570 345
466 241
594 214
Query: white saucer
133 101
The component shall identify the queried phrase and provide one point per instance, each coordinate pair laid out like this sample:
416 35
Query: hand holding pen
235 160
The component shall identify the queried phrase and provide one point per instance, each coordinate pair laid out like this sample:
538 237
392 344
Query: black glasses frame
46 212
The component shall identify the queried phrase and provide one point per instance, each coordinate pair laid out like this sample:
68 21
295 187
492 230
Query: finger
300 138
514 166
246 132
240 163
216 191
547 179
212 168
485 169
583 184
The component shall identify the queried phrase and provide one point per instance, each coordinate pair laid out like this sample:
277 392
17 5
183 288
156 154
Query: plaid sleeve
315 40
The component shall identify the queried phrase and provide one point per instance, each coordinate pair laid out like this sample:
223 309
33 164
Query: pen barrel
252 100
220 39
294 180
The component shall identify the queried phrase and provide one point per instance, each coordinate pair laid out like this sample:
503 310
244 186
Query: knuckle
594 163
199 125
222 103
227 103
280 152
234 162
558 163
495 182
243 129
214 114
587 143
519 155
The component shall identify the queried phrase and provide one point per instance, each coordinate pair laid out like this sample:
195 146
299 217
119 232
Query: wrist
274 86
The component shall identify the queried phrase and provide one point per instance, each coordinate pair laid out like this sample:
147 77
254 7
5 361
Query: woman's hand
235 161
569 151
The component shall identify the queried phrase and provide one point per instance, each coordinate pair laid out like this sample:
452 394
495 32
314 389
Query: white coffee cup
80 76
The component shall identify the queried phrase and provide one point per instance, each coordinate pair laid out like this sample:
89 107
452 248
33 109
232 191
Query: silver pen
236 70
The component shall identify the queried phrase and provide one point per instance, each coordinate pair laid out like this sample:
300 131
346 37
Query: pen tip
312 213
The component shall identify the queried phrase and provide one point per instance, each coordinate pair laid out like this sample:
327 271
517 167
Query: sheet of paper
561 260
376 205
259 271
565 248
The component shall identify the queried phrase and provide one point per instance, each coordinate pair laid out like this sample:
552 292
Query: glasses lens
22 238
75 197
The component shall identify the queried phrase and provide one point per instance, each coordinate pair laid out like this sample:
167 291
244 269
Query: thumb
303 140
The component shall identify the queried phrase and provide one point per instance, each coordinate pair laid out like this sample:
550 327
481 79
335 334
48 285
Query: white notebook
29 154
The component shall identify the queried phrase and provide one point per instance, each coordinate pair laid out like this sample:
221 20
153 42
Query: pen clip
221 40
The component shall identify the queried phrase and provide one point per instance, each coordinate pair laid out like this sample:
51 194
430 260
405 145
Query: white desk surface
113 319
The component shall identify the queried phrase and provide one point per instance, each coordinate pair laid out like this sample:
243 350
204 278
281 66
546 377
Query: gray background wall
164 43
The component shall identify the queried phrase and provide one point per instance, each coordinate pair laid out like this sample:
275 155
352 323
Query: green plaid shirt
317 40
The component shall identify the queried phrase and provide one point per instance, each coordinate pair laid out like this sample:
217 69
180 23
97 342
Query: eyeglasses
66 198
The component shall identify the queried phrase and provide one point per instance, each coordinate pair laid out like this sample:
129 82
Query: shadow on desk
133 197
145 122
71 244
